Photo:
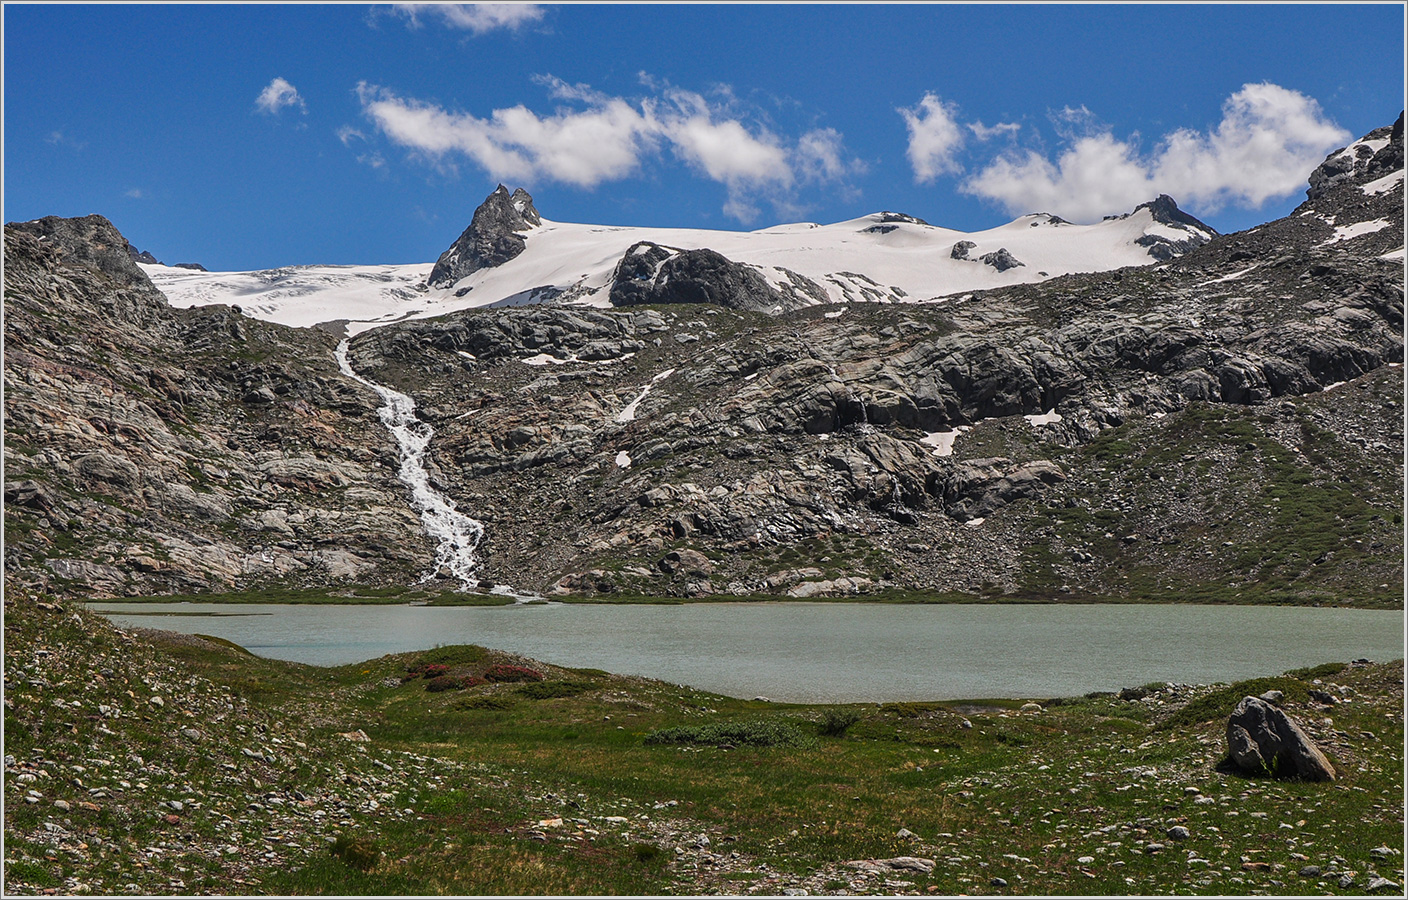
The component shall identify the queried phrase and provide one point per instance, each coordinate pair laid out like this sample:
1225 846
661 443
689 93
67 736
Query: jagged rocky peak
1165 210
89 241
491 239
888 216
1193 232
1376 154
144 256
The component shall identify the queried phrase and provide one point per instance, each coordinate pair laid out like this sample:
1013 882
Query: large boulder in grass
1262 739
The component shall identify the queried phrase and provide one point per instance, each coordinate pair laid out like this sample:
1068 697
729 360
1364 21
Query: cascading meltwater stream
458 534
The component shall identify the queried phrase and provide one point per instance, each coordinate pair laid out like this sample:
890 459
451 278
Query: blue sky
256 136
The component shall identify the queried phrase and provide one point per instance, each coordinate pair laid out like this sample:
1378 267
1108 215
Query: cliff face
156 450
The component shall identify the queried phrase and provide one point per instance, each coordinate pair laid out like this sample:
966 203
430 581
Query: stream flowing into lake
458 534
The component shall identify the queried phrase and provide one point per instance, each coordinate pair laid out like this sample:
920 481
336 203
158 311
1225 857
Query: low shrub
444 683
425 670
507 673
836 722
358 852
548 690
487 701
1220 703
911 710
1324 670
456 655
647 853
755 733
470 681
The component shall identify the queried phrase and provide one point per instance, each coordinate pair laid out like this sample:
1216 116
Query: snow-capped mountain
511 256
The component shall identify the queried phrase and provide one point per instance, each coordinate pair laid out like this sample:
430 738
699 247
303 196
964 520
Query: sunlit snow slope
880 257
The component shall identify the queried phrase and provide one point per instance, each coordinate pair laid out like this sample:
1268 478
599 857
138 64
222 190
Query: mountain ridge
1035 440
508 258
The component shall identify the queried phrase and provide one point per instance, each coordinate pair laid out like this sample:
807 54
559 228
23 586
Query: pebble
156 701
1310 872
998 882
1378 883
1178 833
62 804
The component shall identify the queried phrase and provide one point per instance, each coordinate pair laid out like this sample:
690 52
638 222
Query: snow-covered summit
510 255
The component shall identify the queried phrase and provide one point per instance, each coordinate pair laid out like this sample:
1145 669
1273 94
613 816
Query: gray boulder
1001 260
960 249
1262 739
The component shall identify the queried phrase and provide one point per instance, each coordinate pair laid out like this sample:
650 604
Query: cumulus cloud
277 95
935 138
820 156
1265 146
580 147
476 18
602 138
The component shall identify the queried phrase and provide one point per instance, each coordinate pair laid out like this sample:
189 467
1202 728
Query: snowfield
875 258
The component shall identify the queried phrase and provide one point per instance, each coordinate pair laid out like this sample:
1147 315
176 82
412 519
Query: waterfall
458 535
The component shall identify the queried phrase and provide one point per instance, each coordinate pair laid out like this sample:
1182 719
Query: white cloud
747 163
819 156
347 134
580 147
1097 176
984 133
934 138
1267 143
277 95
476 18
135 194
603 138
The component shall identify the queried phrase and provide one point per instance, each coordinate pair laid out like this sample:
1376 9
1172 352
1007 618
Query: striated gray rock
1261 739
148 447
491 239
960 249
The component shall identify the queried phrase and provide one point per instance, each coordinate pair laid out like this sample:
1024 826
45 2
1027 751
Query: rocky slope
1224 425
157 450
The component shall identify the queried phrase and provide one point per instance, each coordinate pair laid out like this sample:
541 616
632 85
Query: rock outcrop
150 450
1377 153
1263 740
650 273
491 239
